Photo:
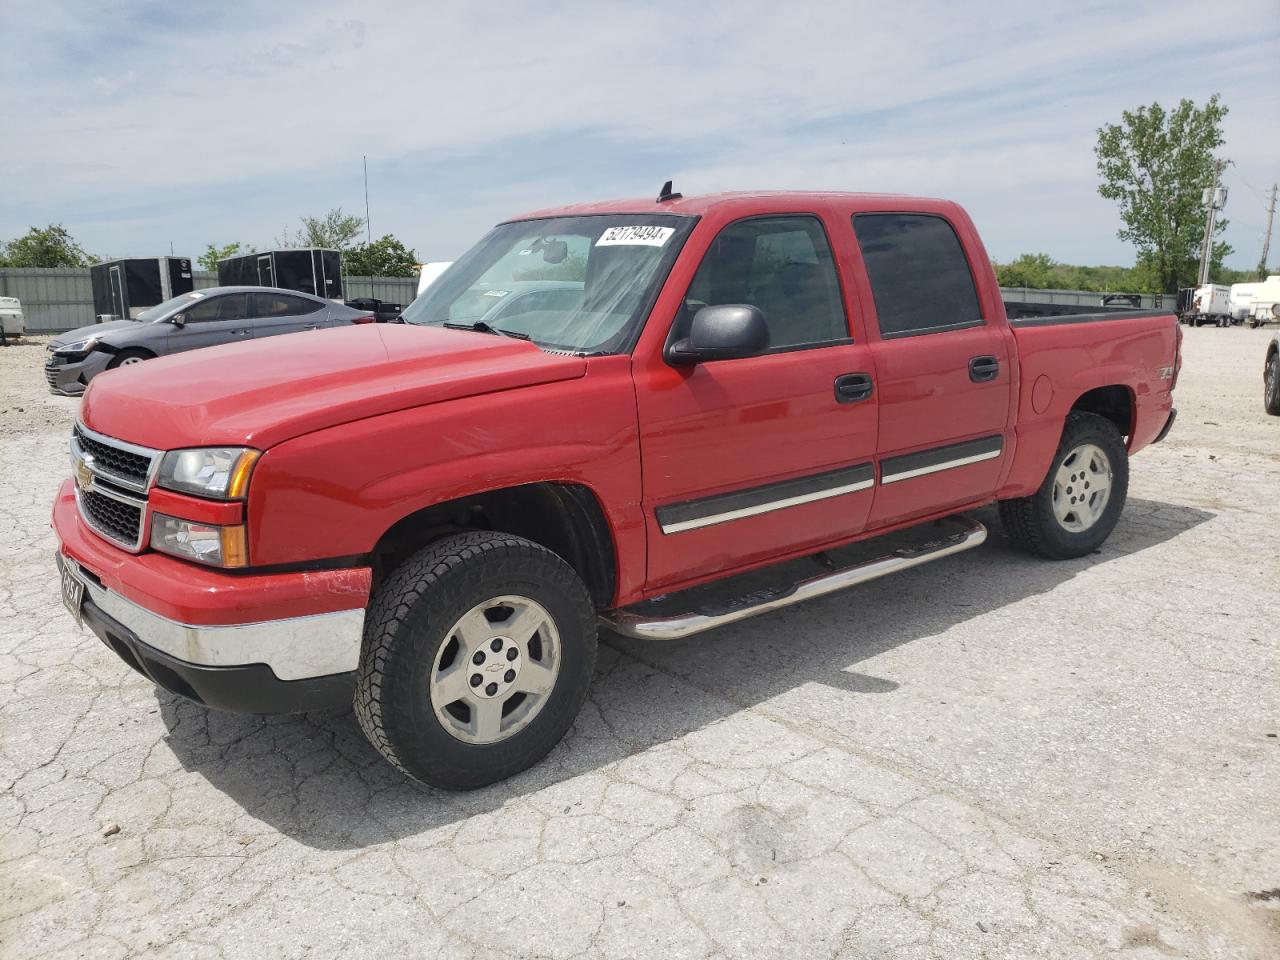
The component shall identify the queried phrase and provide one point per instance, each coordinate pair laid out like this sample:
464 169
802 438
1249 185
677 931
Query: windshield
162 310
569 283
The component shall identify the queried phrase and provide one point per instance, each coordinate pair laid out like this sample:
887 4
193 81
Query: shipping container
309 270
124 288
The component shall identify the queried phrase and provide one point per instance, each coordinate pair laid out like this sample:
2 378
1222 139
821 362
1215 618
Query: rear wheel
126 357
1079 502
478 652
1271 385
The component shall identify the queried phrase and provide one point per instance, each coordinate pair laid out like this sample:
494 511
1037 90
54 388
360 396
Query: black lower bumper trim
1168 425
252 688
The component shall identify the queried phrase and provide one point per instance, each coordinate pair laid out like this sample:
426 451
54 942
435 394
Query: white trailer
1241 299
430 272
1265 305
1211 303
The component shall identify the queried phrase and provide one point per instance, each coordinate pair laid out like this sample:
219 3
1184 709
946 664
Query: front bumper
247 688
70 377
256 643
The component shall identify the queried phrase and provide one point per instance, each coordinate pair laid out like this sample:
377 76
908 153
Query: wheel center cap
494 667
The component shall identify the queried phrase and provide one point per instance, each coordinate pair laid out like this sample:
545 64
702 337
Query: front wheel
477 655
126 357
1271 385
1079 502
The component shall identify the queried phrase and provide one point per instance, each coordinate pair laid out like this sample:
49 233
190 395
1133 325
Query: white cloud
142 125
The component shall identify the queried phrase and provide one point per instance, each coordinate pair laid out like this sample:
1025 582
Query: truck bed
1017 310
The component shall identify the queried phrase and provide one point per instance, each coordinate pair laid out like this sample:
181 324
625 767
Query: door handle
982 369
239 333
312 326
852 387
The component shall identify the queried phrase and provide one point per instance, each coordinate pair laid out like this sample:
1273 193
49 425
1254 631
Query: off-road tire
1271 385
1030 522
125 355
406 624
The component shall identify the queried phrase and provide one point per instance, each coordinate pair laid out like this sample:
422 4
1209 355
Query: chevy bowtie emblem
84 476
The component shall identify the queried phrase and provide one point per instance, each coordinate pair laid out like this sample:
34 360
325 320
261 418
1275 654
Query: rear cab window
919 274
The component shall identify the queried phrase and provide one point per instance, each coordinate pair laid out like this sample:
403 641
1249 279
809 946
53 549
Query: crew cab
432 519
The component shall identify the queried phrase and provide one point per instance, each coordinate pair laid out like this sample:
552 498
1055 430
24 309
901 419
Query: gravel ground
991 756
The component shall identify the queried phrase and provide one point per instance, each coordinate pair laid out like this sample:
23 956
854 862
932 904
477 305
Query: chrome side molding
971 534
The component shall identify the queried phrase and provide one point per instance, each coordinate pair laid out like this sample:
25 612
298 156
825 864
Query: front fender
334 492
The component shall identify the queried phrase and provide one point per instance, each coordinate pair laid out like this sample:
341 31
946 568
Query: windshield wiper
479 326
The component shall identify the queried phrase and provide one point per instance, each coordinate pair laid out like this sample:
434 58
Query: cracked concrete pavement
990 756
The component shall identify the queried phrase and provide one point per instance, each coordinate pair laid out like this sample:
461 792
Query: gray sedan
203 318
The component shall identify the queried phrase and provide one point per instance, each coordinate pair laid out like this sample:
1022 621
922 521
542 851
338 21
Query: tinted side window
283 305
232 306
919 275
783 266
203 310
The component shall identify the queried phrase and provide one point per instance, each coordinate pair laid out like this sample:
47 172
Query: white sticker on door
636 236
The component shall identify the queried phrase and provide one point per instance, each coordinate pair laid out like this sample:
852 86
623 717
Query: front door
749 459
943 373
212 321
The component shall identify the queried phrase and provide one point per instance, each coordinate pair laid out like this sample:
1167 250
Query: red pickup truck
595 407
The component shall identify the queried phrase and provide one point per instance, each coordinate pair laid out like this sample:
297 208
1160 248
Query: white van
12 321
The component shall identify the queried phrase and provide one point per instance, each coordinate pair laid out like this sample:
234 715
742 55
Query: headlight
219 472
201 542
80 346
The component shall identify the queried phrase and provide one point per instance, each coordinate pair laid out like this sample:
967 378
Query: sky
138 125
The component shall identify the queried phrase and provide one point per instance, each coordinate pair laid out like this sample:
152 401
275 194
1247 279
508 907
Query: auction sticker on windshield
637 236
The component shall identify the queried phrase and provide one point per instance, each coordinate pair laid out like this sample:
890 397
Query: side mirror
554 251
179 320
727 331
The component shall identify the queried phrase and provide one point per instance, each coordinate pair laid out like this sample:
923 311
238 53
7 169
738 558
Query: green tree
213 253
1029 270
387 257
51 246
334 231
1155 165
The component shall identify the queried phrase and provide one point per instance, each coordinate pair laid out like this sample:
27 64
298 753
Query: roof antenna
666 194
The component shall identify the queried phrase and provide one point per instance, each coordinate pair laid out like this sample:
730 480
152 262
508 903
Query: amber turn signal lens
235 547
239 481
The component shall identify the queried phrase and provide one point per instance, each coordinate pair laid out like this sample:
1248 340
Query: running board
631 624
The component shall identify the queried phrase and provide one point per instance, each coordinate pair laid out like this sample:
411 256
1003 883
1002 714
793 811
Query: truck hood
262 392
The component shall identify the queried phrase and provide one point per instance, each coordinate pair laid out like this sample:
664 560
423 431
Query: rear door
275 313
749 459
943 371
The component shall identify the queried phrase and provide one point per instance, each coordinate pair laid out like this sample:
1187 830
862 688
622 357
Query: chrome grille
112 480
130 466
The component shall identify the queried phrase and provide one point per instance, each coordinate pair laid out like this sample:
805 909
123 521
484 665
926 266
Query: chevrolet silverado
590 417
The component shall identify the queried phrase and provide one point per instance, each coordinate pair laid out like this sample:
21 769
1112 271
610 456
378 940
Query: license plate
73 592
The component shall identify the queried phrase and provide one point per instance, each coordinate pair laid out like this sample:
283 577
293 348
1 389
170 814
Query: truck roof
747 203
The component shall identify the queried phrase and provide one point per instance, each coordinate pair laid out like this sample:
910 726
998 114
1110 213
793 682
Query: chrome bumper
295 648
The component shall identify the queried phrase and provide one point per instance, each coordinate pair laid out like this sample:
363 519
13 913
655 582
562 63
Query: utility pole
368 227
1266 239
1214 199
